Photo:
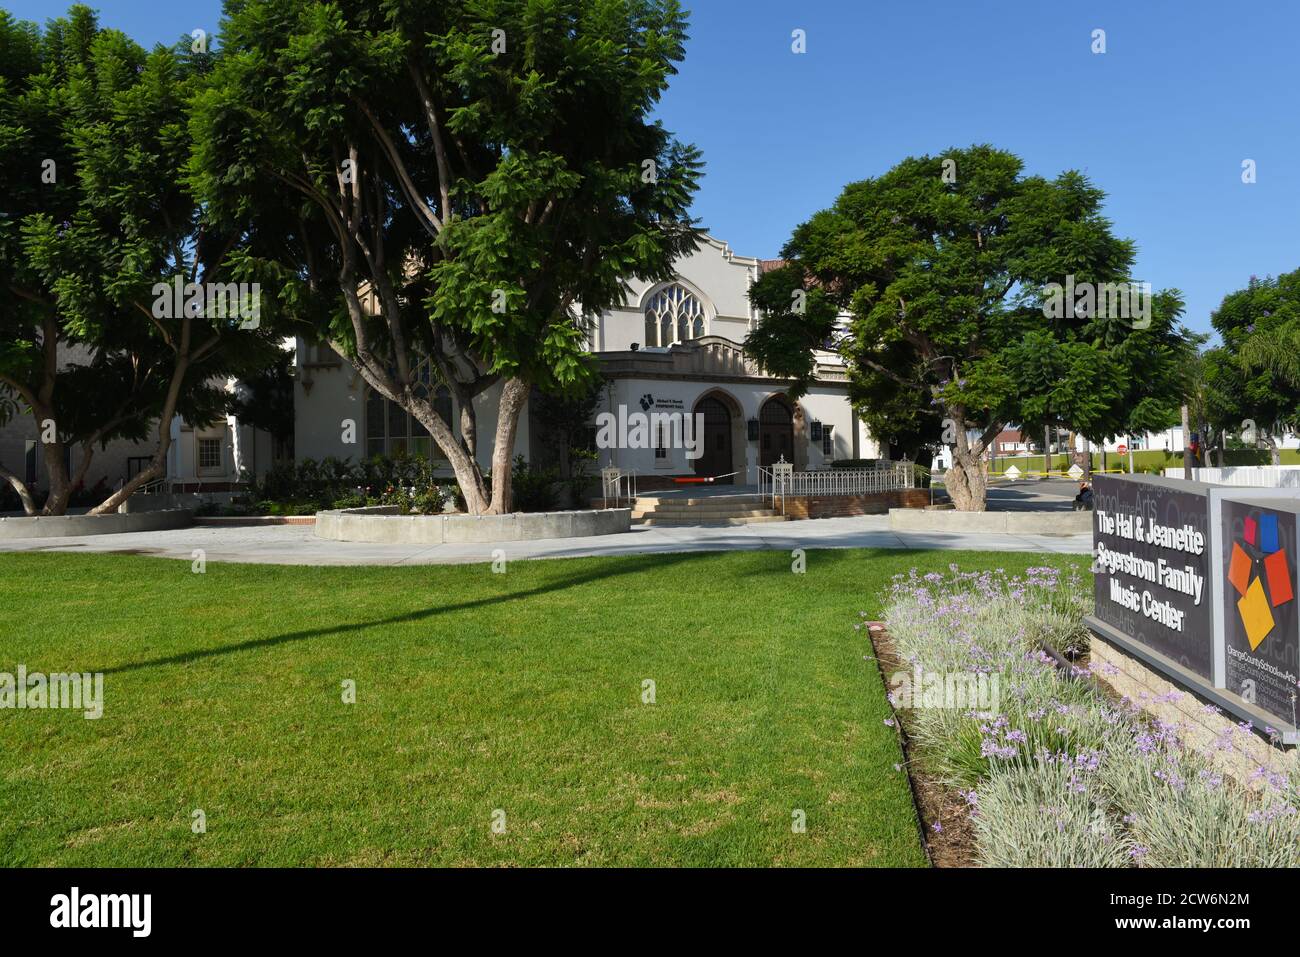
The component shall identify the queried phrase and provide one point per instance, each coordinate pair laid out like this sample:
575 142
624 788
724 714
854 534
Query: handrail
613 480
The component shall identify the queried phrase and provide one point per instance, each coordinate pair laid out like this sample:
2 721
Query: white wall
827 404
326 397
717 276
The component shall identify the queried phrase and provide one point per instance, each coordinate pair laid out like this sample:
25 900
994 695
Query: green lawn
475 692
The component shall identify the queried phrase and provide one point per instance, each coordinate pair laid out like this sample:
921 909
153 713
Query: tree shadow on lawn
625 565
901 560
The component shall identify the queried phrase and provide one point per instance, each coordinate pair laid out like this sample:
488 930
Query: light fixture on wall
751 427
816 430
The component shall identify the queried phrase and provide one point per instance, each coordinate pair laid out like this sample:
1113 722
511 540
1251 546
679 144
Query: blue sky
1186 90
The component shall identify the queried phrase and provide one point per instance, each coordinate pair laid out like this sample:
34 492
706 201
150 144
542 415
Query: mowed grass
476 693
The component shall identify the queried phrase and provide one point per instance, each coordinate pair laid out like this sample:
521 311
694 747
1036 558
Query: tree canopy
1255 376
94 213
459 182
951 271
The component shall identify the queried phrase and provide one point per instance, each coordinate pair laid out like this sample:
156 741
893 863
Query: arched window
391 430
673 314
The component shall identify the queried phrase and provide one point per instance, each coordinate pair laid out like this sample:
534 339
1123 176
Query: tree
34 76
1214 400
944 267
1257 375
95 219
458 182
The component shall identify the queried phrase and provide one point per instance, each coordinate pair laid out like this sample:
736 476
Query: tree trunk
1274 451
966 481
19 486
60 487
468 424
157 467
1047 450
462 461
514 394
1188 464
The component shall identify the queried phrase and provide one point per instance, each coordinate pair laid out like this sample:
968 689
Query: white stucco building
672 347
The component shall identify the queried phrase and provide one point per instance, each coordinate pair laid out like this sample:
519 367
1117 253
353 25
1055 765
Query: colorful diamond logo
1255 614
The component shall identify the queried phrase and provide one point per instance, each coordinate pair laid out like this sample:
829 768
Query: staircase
710 510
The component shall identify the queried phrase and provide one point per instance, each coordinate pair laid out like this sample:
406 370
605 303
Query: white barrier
1250 476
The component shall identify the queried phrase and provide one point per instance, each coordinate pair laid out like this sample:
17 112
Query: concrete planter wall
1014 523
384 524
68 526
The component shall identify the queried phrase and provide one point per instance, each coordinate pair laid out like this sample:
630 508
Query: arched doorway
715 456
775 432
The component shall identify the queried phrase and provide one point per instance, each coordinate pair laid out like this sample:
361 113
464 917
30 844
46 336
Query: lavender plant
1057 774
1050 812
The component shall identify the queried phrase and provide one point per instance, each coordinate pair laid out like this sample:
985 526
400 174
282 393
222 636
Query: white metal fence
1250 476
884 477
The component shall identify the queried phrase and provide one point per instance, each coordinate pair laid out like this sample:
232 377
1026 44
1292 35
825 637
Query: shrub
1058 774
1050 813
1182 813
534 490
309 486
82 497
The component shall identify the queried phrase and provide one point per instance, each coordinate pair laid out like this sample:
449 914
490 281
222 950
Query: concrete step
710 522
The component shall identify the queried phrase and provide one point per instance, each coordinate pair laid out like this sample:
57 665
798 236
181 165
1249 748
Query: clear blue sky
1162 121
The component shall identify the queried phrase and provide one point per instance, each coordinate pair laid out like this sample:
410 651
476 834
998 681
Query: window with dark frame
391 430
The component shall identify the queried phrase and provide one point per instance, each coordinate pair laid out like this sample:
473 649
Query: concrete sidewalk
298 545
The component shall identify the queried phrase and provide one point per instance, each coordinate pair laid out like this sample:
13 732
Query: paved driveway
1033 495
298 545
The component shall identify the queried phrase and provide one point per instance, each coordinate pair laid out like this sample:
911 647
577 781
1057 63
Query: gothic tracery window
673 314
390 430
